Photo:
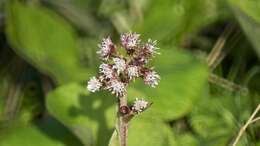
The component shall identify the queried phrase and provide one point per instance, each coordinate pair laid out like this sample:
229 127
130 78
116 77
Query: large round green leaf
149 132
146 132
186 139
45 40
183 81
169 21
92 117
48 132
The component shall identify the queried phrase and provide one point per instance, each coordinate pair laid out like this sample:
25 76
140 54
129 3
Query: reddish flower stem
122 122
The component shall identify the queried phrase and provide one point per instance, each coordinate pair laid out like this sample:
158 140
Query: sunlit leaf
92 117
183 81
169 21
148 132
89 116
46 133
159 133
187 139
46 40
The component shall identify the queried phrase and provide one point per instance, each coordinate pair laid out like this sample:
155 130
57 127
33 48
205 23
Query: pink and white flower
132 71
120 65
94 84
106 48
150 47
140 105
116 87
116 70
151 78
106 70
130 40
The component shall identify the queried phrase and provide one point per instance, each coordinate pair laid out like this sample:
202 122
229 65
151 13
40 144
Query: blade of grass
243 129
219 45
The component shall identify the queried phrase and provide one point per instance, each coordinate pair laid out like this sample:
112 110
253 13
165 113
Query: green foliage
150 131
47 132
53 48
222 114
177 18
19 101
248 14
186 139
46 40
177 69
89 116
93 116
159 133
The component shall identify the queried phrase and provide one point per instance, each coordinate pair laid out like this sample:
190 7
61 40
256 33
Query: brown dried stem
249 121
219 45
227 84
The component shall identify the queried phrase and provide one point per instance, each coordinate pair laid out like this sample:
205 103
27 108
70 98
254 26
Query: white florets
117 71
106 70
119 65
140 105
132 72
117 88
130 40
106 47
151 78
151 47
94 84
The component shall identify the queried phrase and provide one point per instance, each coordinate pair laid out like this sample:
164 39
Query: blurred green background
209 67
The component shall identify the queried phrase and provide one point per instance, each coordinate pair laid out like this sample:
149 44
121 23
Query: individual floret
94 84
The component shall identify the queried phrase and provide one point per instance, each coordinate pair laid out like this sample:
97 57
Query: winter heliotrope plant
117 71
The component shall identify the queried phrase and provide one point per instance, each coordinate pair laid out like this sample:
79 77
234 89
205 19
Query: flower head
132 71
106 70
116 87
150 48
119 65
106 48
139 105
116 71
151 78
140 61
130 40
94 84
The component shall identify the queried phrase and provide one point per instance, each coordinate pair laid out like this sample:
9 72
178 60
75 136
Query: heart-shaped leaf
169 21
92 117
183 81
48 132
159 133
45 40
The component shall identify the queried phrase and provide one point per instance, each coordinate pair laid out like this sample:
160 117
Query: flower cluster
139 105
117 71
